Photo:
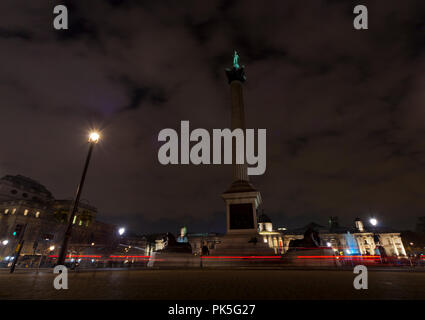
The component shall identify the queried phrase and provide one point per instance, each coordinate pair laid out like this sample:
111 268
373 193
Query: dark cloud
19 34
343 108
139 94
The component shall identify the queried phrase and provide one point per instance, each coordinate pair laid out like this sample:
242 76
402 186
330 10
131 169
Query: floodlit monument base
241 250
242 245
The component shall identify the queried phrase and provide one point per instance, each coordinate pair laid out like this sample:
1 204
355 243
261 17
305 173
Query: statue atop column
237 71
235 60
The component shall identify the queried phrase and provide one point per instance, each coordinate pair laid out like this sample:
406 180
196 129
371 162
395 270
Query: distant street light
329 244
93 139
5 242
373 221
121 231
52 248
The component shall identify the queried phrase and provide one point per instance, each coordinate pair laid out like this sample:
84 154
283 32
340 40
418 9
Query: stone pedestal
242 245
242 201
241 250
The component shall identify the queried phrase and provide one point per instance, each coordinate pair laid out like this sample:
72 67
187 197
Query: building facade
356 240
274 238
28 211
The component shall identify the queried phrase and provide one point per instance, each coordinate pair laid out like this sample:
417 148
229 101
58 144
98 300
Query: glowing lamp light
5 242
94 137
121 231
329 244
373 222
52 248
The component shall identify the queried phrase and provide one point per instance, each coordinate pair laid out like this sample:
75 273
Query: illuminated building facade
28 208
357 240
270 236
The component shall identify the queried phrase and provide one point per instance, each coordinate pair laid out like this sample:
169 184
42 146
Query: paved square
213 284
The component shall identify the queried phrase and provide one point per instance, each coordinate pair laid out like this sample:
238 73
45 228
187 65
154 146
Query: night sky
344 109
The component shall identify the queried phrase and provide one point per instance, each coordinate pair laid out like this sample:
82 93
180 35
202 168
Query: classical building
355 240
29 210
20 187
274 238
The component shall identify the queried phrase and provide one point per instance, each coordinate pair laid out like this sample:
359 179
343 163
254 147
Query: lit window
26 212
37 214
14 211
6 211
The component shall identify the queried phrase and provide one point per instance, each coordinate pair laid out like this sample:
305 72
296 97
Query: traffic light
18 230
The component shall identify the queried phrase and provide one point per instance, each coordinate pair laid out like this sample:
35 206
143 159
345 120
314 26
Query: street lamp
5 242
52 248
93 139
121 231
373 222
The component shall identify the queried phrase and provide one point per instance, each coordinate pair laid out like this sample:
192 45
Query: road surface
213 284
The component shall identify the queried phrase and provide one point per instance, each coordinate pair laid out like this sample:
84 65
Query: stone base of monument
241 250
320 257
173 260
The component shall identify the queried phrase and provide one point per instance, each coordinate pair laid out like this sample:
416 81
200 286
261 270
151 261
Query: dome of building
21 187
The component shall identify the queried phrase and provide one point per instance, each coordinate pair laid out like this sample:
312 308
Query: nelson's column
241 198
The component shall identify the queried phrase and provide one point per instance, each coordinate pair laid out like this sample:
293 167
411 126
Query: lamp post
93 139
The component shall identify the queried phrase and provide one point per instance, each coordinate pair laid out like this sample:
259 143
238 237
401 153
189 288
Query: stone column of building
394 246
